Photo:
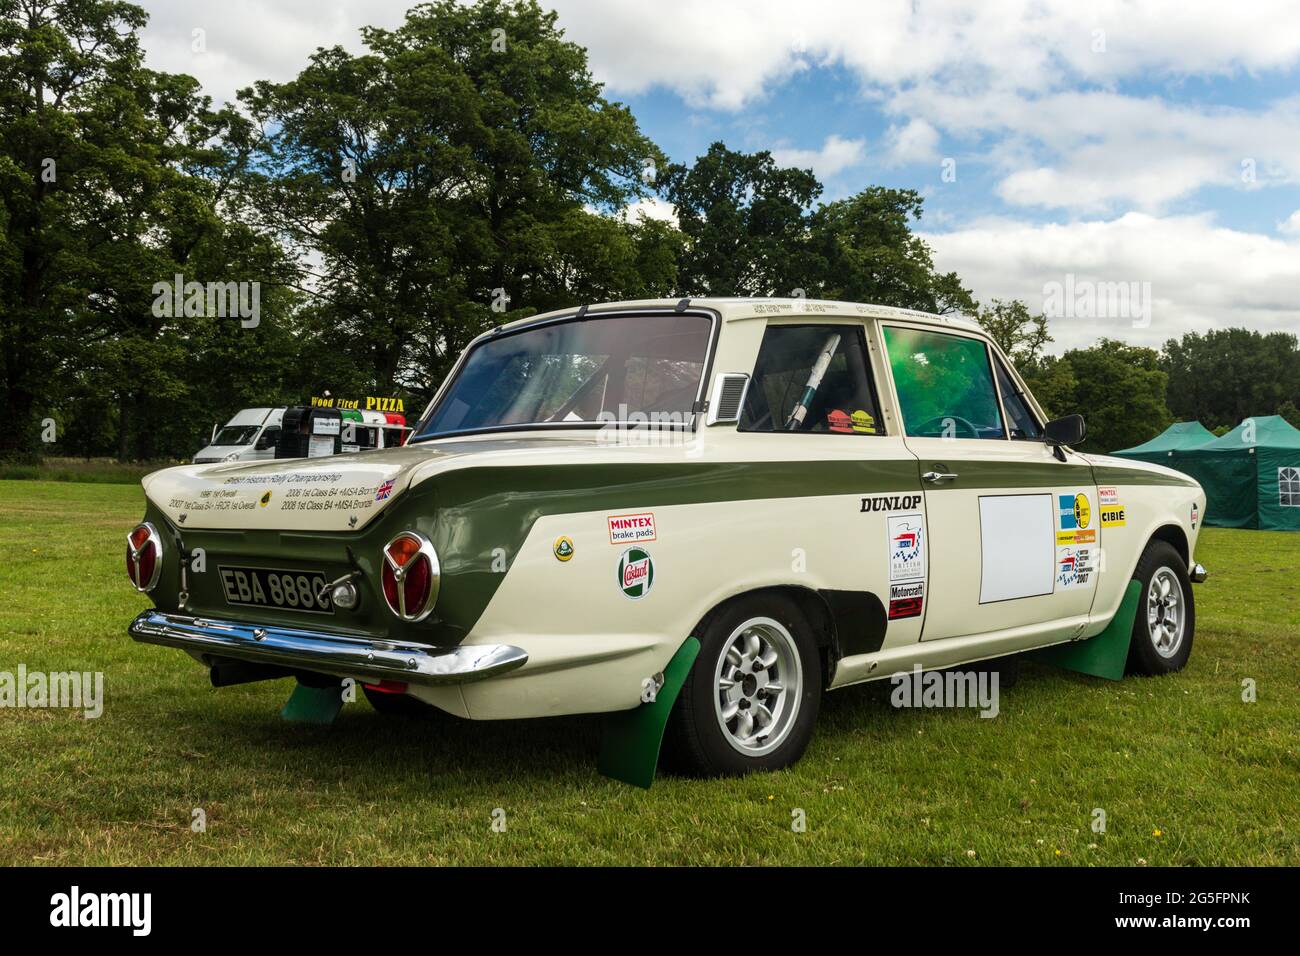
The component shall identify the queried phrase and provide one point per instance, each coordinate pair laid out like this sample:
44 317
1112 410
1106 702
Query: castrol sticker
636 573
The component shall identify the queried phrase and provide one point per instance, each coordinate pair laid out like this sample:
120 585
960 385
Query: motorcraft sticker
1074 567
906 600
632 529
906 547
890 503
636 573
1112 516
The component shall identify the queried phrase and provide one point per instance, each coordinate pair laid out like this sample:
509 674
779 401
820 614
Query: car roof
734 309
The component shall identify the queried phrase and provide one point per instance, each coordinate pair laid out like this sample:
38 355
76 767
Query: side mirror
1070 430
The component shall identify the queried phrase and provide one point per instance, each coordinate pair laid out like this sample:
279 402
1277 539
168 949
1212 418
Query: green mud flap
629 748
313 705
1105 654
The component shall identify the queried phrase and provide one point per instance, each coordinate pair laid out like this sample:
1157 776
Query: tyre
398 705
751 699
1166 617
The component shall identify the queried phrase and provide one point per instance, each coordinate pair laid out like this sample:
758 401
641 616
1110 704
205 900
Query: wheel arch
1175 536
824 611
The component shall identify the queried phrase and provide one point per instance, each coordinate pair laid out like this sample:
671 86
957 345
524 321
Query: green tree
745 224
461 172
870 254
112 179
1225 375
1020 335
1119 389
65 65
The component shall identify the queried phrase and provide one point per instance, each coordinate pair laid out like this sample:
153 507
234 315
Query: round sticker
563 547
636 573
1082 513
266 499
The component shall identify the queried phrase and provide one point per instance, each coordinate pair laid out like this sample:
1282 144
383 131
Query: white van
250 436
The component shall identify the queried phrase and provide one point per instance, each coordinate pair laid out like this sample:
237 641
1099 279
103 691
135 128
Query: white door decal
1017 547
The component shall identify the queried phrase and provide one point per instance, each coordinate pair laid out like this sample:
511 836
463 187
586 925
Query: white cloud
939 67
836 155
1291 225
915 142
1092 150
1201 275
651 207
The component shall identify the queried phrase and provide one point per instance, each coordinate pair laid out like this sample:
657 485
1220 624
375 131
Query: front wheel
751 699
1166 618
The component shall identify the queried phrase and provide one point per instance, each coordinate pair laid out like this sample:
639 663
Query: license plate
271 587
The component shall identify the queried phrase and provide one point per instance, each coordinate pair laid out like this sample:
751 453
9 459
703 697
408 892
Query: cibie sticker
636 573
906 600
1108 495
631 529
906 546
1073 567
1112 516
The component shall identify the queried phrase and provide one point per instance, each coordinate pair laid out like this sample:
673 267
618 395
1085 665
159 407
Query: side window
812 378
1288 487
1024 427
945 384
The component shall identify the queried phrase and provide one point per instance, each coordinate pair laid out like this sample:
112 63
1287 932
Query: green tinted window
945 384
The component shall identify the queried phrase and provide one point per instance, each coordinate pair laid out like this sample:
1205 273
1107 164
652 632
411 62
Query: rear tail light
410 576
143 556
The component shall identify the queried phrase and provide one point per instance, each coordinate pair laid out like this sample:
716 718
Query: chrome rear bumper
341 655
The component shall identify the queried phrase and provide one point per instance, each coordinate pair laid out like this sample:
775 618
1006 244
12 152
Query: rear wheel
1166 618
751 699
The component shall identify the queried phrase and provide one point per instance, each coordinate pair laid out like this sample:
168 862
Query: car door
1010 520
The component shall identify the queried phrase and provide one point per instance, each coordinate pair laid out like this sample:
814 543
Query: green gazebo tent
1163 449
1251 475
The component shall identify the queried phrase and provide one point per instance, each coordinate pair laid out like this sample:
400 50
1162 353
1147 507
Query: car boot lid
333 493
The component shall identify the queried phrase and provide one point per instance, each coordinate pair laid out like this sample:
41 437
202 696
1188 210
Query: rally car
698 513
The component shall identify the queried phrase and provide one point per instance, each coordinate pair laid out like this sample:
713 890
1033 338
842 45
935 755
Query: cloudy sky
1152 141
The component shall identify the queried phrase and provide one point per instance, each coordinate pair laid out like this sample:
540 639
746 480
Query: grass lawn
1186 772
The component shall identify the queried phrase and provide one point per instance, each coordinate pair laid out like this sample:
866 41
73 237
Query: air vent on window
728 396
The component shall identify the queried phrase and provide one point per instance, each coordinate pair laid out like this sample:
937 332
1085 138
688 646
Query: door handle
934 477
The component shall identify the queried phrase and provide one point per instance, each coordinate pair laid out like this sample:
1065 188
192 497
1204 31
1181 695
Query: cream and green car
693 517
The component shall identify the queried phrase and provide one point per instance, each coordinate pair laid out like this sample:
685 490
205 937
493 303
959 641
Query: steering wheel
942 421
